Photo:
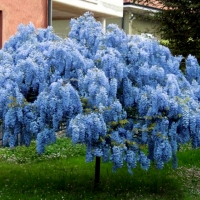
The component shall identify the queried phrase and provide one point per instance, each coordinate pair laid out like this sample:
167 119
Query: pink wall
15 12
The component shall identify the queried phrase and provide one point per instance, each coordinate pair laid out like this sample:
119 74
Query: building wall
117 21
135 26
61 27
131 27
15 12
138 25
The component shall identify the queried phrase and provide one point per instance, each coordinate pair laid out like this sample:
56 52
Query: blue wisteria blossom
123 96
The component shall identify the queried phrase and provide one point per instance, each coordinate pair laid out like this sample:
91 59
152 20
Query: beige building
132 18
138 17
64 10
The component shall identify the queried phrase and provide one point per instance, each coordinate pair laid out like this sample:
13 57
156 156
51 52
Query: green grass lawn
61 173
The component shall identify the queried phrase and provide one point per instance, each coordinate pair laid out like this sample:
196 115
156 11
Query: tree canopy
123 96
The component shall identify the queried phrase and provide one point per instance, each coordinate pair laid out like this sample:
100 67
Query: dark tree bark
97 171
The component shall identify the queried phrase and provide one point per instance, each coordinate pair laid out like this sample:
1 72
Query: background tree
178 23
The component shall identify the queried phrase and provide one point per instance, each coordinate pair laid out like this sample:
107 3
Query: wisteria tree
123 96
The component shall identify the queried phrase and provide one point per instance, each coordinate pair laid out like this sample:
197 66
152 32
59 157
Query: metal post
1 29
49 12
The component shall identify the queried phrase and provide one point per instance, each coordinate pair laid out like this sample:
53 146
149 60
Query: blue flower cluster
123 96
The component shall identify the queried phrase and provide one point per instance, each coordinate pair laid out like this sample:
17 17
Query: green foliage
164 42
180 24
70 177
63 148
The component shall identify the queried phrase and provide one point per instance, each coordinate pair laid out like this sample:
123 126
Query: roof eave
139 8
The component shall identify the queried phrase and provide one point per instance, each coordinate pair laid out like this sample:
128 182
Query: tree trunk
97 171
